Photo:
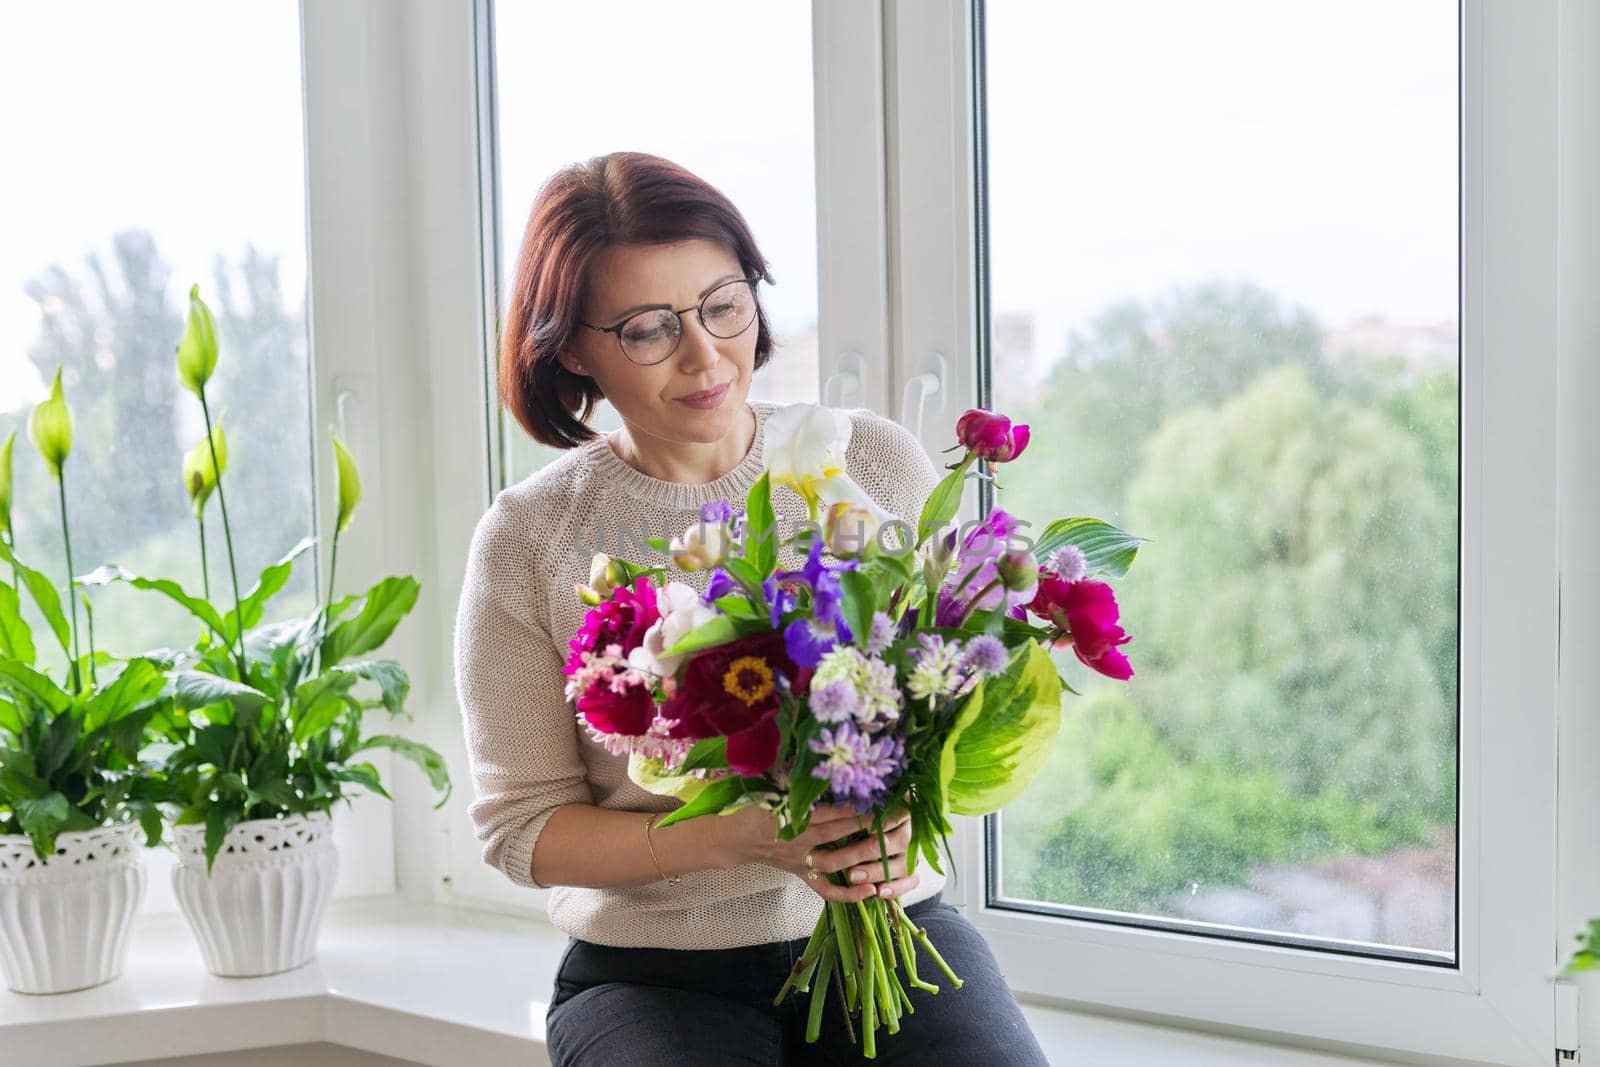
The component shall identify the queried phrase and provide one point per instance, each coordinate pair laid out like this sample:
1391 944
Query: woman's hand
752 837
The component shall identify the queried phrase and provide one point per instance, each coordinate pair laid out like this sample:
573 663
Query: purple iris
722 583
808 640
975 569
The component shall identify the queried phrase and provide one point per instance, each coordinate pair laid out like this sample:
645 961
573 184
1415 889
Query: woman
636 282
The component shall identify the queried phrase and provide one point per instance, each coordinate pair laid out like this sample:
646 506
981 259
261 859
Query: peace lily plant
257 725
266 717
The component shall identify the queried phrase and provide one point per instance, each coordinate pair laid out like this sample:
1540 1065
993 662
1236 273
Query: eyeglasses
650 336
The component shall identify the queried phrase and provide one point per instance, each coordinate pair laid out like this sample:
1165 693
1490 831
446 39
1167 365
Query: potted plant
74 790
265 733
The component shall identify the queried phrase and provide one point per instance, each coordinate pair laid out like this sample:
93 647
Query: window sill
439 985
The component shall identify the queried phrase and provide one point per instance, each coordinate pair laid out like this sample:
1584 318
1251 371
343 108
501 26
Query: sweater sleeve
521 733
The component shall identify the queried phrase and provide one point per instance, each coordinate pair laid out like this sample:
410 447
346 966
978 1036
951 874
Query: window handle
922 392
843 386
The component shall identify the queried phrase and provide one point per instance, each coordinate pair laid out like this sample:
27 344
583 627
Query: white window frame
1496 1005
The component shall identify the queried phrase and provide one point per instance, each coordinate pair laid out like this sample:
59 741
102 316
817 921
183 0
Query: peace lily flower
197 350
200 474
5 483
50 427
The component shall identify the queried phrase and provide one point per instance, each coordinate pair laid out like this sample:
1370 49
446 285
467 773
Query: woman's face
650 398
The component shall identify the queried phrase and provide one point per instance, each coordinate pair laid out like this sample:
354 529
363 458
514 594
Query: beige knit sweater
529 755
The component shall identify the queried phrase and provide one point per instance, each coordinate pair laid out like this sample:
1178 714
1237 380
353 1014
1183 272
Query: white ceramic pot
64 919
260 909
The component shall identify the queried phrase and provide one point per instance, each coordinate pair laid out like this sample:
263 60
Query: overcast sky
1310 147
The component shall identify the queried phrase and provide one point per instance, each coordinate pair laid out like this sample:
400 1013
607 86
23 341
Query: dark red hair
621 198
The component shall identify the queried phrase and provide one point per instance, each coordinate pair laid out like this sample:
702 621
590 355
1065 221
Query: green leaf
1002 735
11 718
197 689
651 775
272 579
197 349
42 816
318 716
717 795
430 761
139 683
199 608
23 680
717 631
392 681
362 773
16 637
860 601
6 484
59 738
219 820
709 753
384 606
760 528
744 572
1107 549
943 503
44 595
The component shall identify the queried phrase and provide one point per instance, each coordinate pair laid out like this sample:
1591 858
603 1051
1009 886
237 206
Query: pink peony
1087 610
626 709
621 620
991 436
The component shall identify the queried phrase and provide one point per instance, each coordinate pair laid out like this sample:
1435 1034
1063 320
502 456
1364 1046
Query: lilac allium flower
716 511
858 771
986 654
937 670
1067 563
881 636
871 679
833 702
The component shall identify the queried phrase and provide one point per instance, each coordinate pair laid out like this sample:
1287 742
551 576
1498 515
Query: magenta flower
622 620
1088 611
623 709
991 436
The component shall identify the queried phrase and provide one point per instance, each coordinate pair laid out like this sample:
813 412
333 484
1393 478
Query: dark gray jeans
632 1007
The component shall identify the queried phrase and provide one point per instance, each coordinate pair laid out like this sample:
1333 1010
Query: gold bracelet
675 879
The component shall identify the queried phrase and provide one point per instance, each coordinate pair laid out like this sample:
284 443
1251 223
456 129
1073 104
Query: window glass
1223 255
721 88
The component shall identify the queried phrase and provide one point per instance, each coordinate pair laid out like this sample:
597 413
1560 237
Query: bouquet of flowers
908 675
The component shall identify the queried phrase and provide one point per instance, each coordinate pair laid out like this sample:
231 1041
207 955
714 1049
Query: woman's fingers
898 887
828 860
872 870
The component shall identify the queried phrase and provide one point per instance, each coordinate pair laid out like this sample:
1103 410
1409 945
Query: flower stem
819 991
72 590
227 536
333 565
973 607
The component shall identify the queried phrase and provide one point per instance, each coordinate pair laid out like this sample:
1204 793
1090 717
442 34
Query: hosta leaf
1003 734
1107 549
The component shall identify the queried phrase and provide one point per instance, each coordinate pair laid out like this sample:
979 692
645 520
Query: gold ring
812 875
810 866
